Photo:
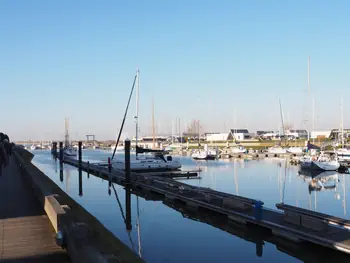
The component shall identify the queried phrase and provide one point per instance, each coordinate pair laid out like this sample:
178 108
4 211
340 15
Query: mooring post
109 165
61 173
80 182
127 162
61 152
80 143
54 149
128 209
259 248
258 210
88 169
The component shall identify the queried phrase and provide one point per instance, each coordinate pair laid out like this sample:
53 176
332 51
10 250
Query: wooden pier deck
26 233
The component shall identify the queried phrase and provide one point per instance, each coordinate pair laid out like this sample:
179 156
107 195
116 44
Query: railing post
127 162
79 152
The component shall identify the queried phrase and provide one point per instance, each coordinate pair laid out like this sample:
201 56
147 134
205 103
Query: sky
225 63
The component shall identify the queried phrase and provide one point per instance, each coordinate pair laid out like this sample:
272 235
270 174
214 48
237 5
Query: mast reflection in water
172 232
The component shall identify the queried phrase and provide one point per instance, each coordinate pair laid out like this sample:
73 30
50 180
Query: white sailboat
68 150
295 150
150 160
343 153
324 163
206 154
278 149
238 149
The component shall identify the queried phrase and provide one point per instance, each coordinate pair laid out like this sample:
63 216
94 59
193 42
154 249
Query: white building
240 134
212 137
320 134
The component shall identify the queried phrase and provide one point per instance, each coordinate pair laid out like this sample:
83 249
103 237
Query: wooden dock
26 232
287 222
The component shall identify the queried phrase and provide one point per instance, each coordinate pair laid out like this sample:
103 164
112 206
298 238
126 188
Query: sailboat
206 154
68 150
343 153
278 149
147 159
324 162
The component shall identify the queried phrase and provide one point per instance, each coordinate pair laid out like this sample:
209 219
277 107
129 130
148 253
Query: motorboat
206 154
343 154
238 149
323 162
295 150
277 150
70 151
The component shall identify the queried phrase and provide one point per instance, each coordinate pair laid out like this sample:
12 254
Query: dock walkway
26 234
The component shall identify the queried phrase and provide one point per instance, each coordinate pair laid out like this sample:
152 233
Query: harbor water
162 234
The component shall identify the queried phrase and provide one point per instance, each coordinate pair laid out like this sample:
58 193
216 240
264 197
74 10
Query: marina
295 224
238 170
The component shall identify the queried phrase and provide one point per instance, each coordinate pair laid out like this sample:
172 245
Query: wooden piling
80 143
128 209
80 182
61 152
127 162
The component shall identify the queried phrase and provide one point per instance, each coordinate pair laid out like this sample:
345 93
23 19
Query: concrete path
26 234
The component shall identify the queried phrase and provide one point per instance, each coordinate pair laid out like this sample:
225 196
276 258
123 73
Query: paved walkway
26 234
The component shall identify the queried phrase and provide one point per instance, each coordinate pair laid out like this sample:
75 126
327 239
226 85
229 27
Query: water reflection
172 232
80 182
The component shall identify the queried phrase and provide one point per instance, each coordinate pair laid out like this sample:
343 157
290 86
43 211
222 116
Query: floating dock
286 222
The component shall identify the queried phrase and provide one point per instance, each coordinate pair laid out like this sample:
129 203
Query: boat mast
153 129
313 118
137 106
342 122
279 100
309 91
66 134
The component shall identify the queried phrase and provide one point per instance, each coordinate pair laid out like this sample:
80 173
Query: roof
239 131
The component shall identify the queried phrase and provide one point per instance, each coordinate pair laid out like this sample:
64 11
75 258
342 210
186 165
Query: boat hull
148 165
320 166
206 158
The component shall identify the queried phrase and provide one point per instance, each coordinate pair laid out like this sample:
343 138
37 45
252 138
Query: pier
41 223
26 232
285 222
57 229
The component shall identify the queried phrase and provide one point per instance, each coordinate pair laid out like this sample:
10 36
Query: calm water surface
165 235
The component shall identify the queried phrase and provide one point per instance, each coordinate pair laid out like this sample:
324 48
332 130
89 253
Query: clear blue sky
199 59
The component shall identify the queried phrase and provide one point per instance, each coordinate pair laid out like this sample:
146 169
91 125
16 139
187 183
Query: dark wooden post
128 209
80 153
109 165
61 152
80 182
127 162
61 172
54 149
88 169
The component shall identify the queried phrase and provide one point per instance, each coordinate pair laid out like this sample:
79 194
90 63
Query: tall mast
153 128
137 105
342 122
313 118
66 133
284 133
309 91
